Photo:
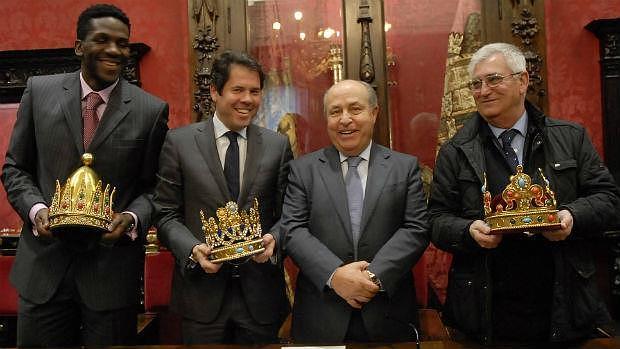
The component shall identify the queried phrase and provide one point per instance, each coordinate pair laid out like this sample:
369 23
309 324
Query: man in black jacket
518 288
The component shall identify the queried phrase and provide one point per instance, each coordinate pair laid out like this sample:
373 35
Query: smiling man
355 216
69 297
519 288
203 166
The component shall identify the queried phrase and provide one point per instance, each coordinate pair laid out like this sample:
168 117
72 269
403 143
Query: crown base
236 251
64 220
518 222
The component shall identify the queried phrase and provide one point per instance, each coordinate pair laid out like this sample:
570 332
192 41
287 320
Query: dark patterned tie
231 165
509 153
355 196
93 100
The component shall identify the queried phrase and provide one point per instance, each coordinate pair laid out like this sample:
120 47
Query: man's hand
269 243
481 233
200 253
566 227
351 283
120 224
42 223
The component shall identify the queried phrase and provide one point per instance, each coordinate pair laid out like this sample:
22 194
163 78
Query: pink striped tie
93 100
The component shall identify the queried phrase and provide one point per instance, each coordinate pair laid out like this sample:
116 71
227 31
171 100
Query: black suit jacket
393 236
46 145
191 179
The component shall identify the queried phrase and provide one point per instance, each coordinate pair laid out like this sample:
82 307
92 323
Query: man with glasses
518 288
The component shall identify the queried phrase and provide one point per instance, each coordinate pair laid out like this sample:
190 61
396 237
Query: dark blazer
46 145
393 236
191 179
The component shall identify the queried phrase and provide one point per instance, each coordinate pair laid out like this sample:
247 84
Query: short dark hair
221 68
99 11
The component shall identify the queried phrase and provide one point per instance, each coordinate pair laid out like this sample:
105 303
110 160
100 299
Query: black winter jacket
582 184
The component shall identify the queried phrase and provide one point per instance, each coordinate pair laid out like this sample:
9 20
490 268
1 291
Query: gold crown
237 235
522 206
81 201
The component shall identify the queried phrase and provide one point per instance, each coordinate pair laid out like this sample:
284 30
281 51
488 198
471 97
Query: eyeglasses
492 80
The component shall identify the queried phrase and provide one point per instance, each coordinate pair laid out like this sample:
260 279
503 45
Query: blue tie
509 153
355 197
231 165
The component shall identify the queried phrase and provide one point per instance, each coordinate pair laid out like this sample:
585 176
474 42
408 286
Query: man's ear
78 48
525 81
213 91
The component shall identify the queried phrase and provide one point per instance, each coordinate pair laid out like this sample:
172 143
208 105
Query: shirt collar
365 154
105 93
220 129
520 125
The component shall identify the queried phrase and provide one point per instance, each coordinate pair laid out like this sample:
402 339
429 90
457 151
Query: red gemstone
80 205
535 190
551 218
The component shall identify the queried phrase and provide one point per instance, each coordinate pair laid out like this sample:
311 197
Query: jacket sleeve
20 168
449 230
597 205
316 260
169 204
142 205
405 247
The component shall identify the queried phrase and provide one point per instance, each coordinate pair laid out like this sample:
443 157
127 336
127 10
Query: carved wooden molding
17 66
526 28
367 66
205 44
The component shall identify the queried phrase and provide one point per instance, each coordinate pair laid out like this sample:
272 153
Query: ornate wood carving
520 22
205 44
526 28
17 66
367 66
608 33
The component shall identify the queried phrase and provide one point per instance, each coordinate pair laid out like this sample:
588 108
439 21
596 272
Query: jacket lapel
72 109
252 161
378 169
205 140
331 173
115 112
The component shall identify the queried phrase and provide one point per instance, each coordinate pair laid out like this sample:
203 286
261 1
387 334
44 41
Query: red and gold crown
82 201
522 206
238 234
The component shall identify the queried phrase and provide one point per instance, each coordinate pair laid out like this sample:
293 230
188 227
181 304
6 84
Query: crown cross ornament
237 235
83 202
522 206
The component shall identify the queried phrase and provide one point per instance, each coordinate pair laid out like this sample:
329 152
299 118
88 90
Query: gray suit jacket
191 179
393 236
46 145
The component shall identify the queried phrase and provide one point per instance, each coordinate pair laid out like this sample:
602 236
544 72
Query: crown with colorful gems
522 206
82 201
237 235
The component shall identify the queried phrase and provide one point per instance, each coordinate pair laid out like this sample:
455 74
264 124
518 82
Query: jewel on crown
82 201
237 235
522 205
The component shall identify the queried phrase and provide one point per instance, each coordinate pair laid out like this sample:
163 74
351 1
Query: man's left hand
121 222
269 243
566 227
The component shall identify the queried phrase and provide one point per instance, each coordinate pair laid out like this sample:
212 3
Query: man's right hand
42 223
200 253
352 284
481 233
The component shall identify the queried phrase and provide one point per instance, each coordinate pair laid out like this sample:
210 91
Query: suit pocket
463 303
128 143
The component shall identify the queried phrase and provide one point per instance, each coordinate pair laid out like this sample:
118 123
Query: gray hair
372 94
514 57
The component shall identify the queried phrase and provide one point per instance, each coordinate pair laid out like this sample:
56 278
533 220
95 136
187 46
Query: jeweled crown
237 235
83 200
522 206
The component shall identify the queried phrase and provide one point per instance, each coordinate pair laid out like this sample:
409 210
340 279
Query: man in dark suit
202 167
66 297
356 220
